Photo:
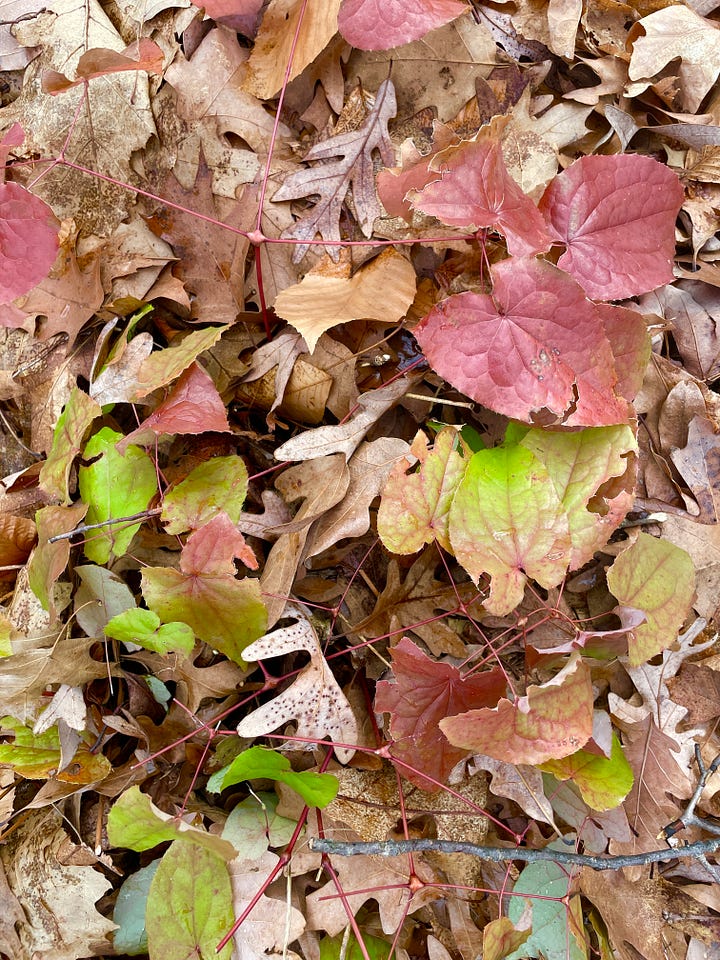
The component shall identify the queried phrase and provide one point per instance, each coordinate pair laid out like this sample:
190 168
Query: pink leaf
382 24
617 217
476 190
424 692
552 721
241 15
536 343
28 240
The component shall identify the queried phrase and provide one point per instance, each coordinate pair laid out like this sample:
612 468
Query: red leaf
552 721
537 342
212 549
241 15
382 24
424 692
193 406
617 217
28 240
477 191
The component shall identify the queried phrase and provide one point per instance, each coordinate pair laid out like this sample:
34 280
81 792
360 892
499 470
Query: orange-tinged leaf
501 938
415 507
384 289
423 693
49 560
658 578
17 536
551 721
142 54
164 366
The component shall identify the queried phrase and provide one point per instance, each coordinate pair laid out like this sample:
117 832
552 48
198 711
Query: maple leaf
28 240
332 179
375 25
536 343
550 722
314 698
616 216
475 190
423 693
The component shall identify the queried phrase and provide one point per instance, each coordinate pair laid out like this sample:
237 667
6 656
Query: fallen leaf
370 25
314 698
70 430
697 688
142 54
28 240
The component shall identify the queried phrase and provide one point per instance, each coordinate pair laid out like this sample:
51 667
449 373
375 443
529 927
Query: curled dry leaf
314 699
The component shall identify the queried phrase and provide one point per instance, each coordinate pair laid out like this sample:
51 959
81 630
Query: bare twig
84 527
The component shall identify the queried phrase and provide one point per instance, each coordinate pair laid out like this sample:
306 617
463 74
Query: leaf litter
365 415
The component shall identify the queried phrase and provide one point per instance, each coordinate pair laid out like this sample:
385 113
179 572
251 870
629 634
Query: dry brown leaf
273 923
381 290
271 53
60 920
314 698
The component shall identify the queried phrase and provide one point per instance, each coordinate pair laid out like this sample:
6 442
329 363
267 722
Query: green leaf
603 783
658 578
39 756
135 822
114 486
71 427
508 521
129 914
331 948
143 627
316 789
254 825
556 929
217 485
190 906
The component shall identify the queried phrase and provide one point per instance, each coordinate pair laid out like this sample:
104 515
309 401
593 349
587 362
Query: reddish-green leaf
423 693
217 485
28 240
603 782
70 430
616 215
537 344
551 721
474 189
658 578
164 366
225 612
414 507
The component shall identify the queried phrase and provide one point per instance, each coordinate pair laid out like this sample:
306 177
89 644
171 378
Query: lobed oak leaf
474 190
423 693
332 179
414 508
550 722
375 25
383 290
314 698
658 578
28 240
616 216
536 344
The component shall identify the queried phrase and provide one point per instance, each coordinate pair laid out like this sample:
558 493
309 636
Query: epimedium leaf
500 938
423 693
28 240
136 823
616 216
189 905
115 485
164 366
508 521
474 189
204 593
39 756
217 485
414 507
144 627
658 578
316 789
129 913
192 406
254 825
536 346
376 25
551 721
603 782
70 429
49 560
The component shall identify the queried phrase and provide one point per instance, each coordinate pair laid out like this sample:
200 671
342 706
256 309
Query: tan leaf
314 698
275 38
381 290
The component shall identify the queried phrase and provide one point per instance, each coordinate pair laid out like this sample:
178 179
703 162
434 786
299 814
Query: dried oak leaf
313 699
423 693
331 179
375 25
